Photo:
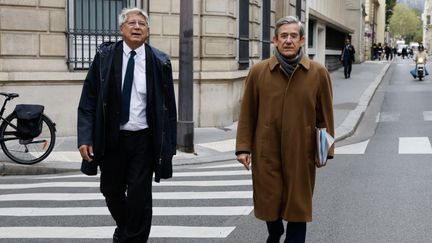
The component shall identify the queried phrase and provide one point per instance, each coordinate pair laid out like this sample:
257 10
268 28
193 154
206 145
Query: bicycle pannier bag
29 120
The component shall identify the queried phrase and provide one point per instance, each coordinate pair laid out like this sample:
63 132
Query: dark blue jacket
99 107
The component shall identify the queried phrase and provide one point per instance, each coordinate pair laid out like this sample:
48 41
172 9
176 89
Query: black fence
90 23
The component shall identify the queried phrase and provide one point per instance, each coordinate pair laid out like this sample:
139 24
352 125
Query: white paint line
205 211
64 156
51 197
175 174
356 148
96 184
203 195
157 231
232 165
157 211
190 232
427 115
98 196
221 146
212 173
205 183
63 176
48 184
414 145
388 116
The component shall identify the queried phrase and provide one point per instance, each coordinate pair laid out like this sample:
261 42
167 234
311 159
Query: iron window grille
90 23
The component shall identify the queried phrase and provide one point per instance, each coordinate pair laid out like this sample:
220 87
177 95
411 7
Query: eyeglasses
141 24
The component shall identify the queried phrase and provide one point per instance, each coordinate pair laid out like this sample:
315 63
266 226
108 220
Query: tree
389 9
405 22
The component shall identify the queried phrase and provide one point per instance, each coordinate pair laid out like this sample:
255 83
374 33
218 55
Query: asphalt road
377 189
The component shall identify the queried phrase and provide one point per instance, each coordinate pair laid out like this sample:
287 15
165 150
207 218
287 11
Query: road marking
221 146
205 183
157 211
157 231
427 115
231 165
64 156
387 116
356 148
98 196
96 184
414 145
175 174
48 184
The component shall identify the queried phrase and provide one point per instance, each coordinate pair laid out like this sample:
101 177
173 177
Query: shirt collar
139 51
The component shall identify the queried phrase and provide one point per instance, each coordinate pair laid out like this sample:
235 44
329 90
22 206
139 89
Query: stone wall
33 54
32 35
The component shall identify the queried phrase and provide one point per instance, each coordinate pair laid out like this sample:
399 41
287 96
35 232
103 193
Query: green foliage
406 23
389 9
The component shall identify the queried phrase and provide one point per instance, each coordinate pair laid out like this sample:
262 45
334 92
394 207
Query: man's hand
245 159
86 152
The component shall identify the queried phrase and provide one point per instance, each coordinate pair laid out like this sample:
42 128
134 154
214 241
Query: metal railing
90 23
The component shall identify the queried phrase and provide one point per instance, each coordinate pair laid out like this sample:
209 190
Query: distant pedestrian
387 51
347 57
285 98
380 52
404 52
374 51
127 124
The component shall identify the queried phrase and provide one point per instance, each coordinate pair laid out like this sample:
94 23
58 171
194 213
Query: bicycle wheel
27 151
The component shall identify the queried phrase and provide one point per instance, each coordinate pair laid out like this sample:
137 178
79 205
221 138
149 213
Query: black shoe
116 235
273 239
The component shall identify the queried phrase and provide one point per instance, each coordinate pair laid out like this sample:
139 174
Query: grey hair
289 20
124 13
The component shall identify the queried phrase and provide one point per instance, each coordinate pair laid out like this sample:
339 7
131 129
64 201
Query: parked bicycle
27 136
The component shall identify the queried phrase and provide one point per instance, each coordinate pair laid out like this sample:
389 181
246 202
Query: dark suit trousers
126 183
347 68
295 231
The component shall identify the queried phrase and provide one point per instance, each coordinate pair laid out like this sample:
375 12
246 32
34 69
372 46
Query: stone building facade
427 25
330 23
37 46
45 50
374 26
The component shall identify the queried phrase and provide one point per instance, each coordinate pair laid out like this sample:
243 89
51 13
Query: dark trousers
347 68
295 231
126 183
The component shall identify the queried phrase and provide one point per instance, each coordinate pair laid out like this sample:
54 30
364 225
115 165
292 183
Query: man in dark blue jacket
127 124
347 57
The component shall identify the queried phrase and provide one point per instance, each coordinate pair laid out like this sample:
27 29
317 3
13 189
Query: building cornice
313 14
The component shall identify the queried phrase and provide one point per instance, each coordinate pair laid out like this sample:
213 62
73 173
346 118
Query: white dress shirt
138 103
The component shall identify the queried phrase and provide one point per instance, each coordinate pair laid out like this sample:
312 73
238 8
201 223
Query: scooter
420 67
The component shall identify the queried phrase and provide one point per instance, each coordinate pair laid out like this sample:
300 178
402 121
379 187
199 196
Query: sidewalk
351 98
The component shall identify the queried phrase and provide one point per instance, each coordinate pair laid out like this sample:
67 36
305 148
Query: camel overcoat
277 124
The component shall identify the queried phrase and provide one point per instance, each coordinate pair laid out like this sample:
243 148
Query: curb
349 125
7 168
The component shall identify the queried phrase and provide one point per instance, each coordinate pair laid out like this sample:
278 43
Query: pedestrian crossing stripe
427 115
106 232
212 183
175 174
98 196
157 211
191 206
407 145
414 145
356 148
